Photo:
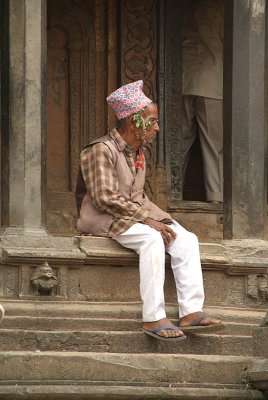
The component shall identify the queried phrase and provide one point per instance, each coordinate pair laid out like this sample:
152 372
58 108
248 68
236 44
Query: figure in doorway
202 89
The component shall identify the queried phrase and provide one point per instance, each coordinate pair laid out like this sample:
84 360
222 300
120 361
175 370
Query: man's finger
166 236
164 239
172 233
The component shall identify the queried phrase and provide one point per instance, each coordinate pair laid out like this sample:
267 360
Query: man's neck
129 138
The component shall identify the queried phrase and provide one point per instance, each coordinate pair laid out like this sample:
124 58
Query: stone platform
99 269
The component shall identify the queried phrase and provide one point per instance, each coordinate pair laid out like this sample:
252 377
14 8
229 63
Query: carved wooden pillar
138 60
101 67
113 64
161 173
173 90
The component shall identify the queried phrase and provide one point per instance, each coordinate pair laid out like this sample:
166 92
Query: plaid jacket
115 199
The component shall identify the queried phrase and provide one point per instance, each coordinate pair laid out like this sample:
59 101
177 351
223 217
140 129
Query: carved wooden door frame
76 19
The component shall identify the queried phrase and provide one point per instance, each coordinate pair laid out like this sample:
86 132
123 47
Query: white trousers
185 263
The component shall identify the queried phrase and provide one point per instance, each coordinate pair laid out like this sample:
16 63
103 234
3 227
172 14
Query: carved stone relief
44 280
40 280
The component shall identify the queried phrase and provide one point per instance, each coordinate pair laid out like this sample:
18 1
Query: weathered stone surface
11 281
154 368
227 268
61 224
27 62
260 341
107 322
234 256
258 374
115 341
104 342
264 322
84 313
97 247
125 392
203 219
114 283
27 247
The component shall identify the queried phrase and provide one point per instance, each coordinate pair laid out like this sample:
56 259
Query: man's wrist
147 219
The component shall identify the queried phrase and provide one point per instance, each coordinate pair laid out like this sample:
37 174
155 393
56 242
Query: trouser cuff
214 196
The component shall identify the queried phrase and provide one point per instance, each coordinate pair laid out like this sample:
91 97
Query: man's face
151 115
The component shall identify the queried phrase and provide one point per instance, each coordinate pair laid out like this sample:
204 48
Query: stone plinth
99 269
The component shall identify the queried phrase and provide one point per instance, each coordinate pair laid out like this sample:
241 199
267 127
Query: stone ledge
136 392
15 248
235 272
137 368
234 257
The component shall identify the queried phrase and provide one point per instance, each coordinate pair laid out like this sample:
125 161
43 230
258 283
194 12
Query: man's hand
167 233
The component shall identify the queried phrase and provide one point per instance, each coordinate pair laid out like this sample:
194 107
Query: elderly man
115 205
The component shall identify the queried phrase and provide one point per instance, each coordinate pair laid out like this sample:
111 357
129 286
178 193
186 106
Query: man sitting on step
114 204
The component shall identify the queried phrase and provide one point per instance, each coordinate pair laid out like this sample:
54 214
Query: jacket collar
119 141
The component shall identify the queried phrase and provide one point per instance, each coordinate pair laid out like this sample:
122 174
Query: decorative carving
44 280
138 55
76 19
113 17
257 288
173 90
59 66
100 71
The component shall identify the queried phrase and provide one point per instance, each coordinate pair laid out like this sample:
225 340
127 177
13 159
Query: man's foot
172 331
200 322
2 312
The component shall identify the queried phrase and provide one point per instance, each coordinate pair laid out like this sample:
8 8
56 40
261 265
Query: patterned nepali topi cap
128 99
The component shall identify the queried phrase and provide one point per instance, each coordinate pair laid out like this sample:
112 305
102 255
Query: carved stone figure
43 280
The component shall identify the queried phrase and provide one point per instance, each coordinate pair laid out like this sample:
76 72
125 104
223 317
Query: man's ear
138 120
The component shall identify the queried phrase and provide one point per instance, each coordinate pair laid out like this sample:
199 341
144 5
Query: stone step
119 310
50 368
127 392
122 342
106 324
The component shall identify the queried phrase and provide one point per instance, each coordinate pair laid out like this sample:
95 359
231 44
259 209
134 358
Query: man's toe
210 321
